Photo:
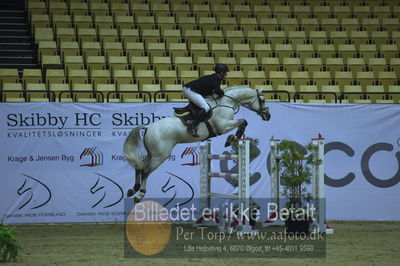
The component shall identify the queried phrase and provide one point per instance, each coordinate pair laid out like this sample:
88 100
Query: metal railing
147 96
365 94
72 93
117 93
277 92
296 95
164 92
51 95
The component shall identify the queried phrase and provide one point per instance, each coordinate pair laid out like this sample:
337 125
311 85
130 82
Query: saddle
188 113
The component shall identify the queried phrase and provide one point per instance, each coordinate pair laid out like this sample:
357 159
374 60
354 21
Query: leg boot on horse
238 135
136 188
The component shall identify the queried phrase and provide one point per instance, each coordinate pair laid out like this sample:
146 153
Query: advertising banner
64 162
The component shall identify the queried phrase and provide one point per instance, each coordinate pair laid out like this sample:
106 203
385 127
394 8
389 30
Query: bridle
261 103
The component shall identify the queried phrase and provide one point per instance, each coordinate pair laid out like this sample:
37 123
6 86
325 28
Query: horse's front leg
241 129
225 126
239 133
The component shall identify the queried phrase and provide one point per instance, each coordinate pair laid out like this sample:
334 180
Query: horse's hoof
130 193
137 199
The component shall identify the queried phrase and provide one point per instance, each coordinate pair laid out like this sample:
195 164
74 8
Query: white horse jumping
146 153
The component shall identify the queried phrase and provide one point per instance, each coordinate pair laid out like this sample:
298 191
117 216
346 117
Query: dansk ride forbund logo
93 157
100 188
33 200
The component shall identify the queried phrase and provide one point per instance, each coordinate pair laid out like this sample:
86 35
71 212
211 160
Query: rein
247 106
222 105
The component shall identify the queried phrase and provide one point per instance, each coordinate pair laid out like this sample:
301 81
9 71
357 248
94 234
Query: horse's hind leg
138 176
142 190
148 169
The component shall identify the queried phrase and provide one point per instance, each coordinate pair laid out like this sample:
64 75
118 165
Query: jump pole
243 176
318 189
275 219
318 192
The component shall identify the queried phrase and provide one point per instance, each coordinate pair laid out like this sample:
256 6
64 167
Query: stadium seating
326 46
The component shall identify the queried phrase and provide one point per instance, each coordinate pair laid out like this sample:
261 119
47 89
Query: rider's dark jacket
206 85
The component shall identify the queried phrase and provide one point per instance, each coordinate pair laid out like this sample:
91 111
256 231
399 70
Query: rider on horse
196 90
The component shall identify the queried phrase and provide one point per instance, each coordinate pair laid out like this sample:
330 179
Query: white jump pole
244 188
205 186
318 192
243 176
318 189
274 220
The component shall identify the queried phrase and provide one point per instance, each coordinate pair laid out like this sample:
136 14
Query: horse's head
250 98
258 105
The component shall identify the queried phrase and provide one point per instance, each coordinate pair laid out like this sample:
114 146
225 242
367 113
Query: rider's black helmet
221 68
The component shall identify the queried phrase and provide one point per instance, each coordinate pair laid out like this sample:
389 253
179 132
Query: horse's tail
135 148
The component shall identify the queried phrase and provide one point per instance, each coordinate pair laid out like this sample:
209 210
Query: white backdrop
63 162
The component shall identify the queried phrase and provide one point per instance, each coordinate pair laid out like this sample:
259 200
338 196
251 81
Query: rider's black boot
192 128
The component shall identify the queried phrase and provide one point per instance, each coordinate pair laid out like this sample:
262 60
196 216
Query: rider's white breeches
195 98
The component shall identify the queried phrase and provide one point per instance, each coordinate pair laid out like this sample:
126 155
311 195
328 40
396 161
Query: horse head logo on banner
35 193
111 193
